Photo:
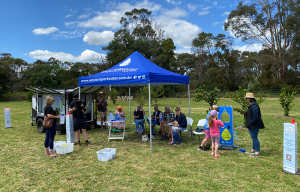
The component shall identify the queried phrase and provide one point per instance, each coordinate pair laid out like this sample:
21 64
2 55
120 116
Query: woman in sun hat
119 111
253 123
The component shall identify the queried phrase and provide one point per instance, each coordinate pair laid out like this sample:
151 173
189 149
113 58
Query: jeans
50 134
153 123
139 122
182 129
255 141
176 137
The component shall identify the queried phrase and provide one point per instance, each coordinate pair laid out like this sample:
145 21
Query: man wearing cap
207 130
101 103
167 117
77 108
155 118
253 123
138 117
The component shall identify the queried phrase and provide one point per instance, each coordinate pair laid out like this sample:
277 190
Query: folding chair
189 132
201 124
145 117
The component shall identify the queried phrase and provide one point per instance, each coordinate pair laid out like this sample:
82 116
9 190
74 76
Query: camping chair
149 119
200 124
188 131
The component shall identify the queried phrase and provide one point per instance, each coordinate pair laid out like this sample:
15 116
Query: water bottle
160 117
198 128
120 116
168 118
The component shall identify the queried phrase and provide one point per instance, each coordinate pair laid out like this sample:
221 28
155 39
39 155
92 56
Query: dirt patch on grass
284 117
241 128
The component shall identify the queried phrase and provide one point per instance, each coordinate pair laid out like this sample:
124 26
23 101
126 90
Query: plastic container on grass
106 154
70 147
60 149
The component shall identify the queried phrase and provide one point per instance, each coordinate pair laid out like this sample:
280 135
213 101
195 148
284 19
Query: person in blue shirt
181 119
207 130
155 118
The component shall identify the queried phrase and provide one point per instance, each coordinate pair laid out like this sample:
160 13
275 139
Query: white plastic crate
64 148
106 154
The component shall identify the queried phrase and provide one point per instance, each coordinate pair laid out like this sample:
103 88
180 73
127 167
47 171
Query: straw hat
119 107
250 96
101 93
215 107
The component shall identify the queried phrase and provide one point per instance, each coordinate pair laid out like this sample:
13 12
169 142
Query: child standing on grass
175 133
214 132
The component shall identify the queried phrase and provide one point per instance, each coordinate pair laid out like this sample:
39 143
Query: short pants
207 134
103 114
215 139
79 124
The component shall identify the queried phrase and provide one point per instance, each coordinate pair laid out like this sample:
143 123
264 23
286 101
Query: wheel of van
39 126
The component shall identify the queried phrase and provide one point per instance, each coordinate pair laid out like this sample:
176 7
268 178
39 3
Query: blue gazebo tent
135 70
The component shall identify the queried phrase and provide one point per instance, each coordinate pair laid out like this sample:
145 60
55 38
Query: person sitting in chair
138 116
155 118
167 117
119 125
181 119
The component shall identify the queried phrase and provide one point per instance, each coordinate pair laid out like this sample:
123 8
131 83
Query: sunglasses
177 110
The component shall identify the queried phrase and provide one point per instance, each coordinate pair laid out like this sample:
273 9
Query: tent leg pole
151 149
79 93
189 100
129 111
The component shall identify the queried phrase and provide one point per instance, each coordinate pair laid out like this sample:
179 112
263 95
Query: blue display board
7 117
226 133
290 148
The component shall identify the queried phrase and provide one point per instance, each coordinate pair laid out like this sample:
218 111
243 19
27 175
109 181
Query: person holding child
175 133
206 129
214 132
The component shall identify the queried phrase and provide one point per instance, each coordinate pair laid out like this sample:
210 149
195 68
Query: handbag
48 122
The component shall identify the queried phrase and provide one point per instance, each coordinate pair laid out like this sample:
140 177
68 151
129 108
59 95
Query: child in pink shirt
214 131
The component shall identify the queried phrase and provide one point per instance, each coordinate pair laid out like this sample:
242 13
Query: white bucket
106 154
70 147
60 149
56 143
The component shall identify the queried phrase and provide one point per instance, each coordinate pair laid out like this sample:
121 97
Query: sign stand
226 133
70 129
7 118
290 149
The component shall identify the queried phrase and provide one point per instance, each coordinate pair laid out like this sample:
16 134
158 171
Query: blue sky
76 30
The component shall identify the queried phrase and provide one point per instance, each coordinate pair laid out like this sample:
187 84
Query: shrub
29 96
238 97
141 100
211 97
113 95
286 101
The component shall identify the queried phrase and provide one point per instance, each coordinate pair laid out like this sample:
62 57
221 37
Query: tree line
213 61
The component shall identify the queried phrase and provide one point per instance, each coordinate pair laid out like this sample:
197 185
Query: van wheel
39 126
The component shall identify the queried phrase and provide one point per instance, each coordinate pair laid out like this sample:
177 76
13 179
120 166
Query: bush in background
29 96
286 101
113 95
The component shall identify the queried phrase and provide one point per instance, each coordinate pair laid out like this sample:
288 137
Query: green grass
24 167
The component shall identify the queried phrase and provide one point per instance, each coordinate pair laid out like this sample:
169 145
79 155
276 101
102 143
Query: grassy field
24 166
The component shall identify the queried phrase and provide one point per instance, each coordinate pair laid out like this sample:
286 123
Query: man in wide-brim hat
101 103
253 123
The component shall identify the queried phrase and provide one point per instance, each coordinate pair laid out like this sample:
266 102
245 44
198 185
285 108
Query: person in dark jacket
253 123
181 119
155 118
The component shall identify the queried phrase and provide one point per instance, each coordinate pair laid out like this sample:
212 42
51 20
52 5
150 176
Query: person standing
215 132
50 132
253 123
77 109
207 130
101 103
138 116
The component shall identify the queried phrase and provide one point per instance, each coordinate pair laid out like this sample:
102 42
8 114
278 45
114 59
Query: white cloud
175 13
215 23
191 7
98 38
185 49
85 56
225 13
215 3
174 2
251 47
69 34
112 19
25 53
221 7
181 31
203 13
206 8
70 15
44 31
83 16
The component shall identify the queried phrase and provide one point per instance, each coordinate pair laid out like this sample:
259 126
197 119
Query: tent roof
135 70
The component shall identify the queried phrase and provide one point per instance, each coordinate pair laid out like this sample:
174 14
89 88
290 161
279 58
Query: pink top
214 130
122 113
